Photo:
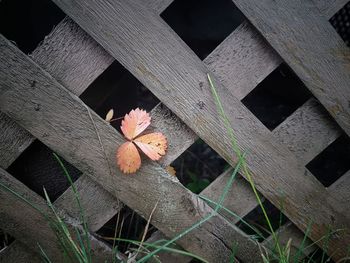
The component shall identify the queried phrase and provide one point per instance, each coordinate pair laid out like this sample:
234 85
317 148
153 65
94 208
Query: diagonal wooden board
47 57
67 126
311 47
143 43
23 218
59 64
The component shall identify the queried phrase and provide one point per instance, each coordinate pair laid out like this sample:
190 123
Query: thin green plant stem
228 185
168 249
114 247
5 187
302 245
188 230
325 244
81 210
238 153
44 255
64 230
234 215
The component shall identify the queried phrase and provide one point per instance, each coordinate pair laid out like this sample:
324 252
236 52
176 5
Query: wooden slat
14 140
250 50
19 253
179 80
243 60
75 60
329 7
29 226
292 28
341 187
62 112
61 53
308 131
158 6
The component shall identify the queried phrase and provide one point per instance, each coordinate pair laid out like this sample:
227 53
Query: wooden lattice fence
39 99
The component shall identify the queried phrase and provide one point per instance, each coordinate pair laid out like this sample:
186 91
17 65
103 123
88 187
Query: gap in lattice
130 226
256 220
198 166
341 22
277 97
116 88
203 25
36 167
5 240
28 22
332 162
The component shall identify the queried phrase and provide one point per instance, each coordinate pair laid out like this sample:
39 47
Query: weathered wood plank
61 54
341 187
19 253
75 60
308 131
158 6
251 48
67 126
292 28
178 78
35 228
14 140
243 60
329 7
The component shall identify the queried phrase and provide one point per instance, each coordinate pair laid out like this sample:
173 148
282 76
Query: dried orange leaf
171 170
154 145
128 158
134 123
109 115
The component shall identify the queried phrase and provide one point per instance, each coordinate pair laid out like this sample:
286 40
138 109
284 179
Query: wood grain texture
158 6
289 231
65 124
308 131
19 253
139 41
75 60
329 7
243 60
35 228
13 140
292 28
252 49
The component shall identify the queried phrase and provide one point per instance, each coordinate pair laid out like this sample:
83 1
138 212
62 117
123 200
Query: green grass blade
239 155
168 249
81 210
44 255
188 230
